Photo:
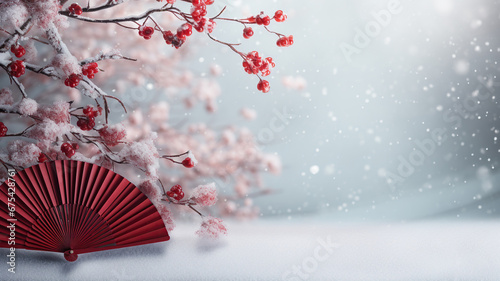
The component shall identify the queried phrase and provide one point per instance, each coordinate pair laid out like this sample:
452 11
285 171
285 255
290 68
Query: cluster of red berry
263 86
254 64
17 68
90 70
69 149
146 31
172 39
285 41
260 19
188 162
203 24
176 192
198 13
18 50
73 80
3 129
87 123
180 37
75 9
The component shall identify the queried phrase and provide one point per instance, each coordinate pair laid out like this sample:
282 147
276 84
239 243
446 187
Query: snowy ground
268 249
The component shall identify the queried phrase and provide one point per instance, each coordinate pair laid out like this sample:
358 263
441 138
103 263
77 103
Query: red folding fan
75 207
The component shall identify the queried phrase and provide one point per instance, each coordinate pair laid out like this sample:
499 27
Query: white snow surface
267 249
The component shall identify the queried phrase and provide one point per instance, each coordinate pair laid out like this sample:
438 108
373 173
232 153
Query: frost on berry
112 135
205 195
211 228
28 107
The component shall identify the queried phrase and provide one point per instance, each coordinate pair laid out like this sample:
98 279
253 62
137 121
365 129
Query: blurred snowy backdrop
381 110
399 117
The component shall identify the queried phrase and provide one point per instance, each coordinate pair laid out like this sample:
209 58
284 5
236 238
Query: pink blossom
294 83
66 64
273 163
150 189
159 112
6 97
23 153
113 134
248 113
166 215
43 12
143 154
211 228
47 130
58 112
28 107
205 195
13 14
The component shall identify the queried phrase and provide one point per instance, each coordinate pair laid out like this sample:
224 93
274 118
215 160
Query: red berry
66 147
3 129
42 158
176 192
178 196
285 41
279 16
263 86
247 32
185 30
188 163
75 9
176 188
75 146
146 32
70 153
198 2
262 19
